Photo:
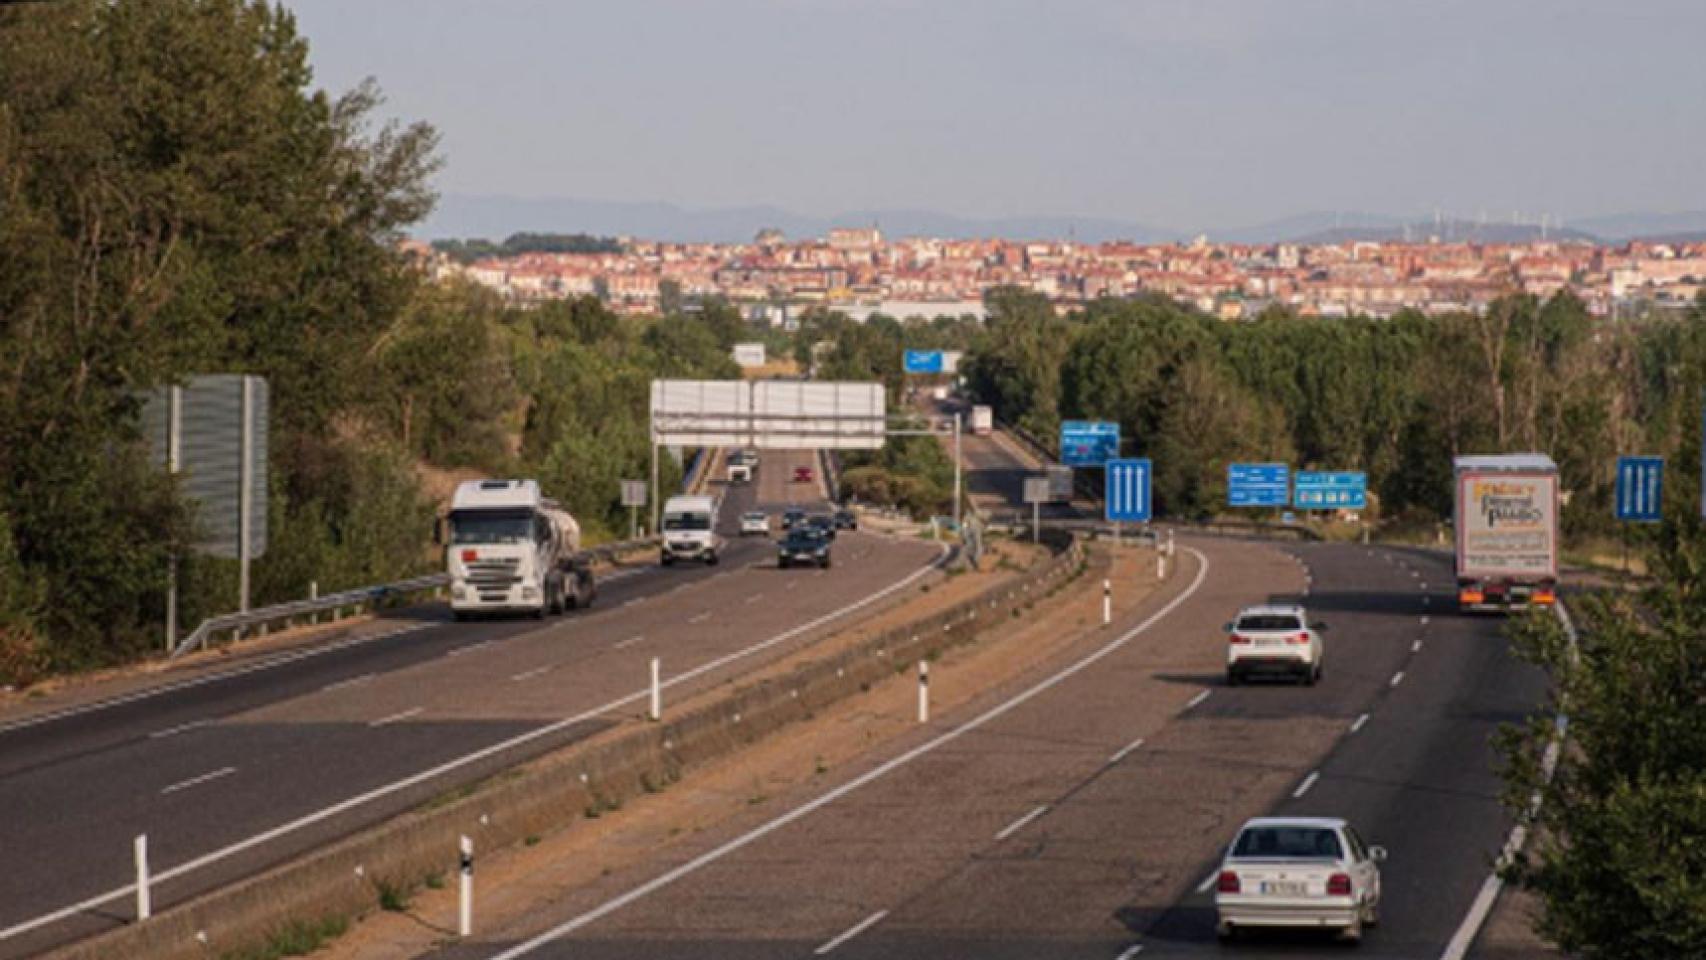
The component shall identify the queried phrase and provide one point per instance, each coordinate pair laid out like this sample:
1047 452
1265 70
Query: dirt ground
516 882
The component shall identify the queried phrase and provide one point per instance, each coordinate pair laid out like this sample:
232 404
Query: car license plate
1270 642
1283 888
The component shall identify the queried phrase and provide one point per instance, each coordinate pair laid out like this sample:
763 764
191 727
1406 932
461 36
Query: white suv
1298 872
1274 639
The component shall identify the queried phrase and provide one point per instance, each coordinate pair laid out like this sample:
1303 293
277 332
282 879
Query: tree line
478 248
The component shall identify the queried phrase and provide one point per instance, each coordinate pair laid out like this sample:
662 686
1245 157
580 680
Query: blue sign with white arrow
1640 488
923 361
1128 490
1088 443
1324 490
1258 485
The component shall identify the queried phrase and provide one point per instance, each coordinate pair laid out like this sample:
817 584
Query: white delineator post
923 691
465 916
144 903
1160 565
1107 602
657 691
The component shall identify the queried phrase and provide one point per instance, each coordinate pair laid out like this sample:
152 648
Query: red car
802 474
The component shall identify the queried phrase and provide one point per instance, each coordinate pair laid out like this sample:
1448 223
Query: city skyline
1186 117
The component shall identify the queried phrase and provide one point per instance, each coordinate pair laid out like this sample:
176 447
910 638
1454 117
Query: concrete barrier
585 779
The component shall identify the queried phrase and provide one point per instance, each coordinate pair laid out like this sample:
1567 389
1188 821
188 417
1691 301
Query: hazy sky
1182 113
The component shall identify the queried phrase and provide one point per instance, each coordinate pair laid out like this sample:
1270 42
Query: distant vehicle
513 550
823 525
845 520
1287 517
1506 525
743 466
803 545
792 517
803 475
982 420
689 529
1311 872
754 521
1274 638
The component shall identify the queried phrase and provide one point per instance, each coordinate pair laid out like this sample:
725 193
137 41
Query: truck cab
507 550
689 530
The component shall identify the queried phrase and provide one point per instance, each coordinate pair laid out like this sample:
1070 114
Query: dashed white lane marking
754 598
1424 621
1308 782
852 932
530 674
1208 882
636 638
1134 951
1423 586
351 682
1126 750
470 648
180 728
1019 824
1199 698
1360 721
396 717
700 617
1397 678
195 781
1416 647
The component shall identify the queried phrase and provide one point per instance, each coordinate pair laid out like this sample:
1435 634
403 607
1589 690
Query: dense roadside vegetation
177 198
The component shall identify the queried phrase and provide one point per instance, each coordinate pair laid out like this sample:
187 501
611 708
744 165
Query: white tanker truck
512 550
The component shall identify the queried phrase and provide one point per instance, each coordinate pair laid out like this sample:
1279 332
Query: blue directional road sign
924 361
1128 490
1640 488
1088 443
1258 485
1323 490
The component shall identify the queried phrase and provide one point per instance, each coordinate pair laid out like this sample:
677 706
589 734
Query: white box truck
690 529
1506 523
982 420
512 550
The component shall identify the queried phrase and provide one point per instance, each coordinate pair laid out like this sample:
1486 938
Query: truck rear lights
1339 885
469 556
1228 882
1544 597
1471 596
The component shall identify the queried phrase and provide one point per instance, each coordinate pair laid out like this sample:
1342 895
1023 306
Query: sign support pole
245 500
174 445
957 493
656 504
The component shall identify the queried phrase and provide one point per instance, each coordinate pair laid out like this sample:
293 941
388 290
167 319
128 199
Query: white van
690 529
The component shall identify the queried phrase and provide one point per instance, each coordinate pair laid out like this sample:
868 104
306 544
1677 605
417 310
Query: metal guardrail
264 618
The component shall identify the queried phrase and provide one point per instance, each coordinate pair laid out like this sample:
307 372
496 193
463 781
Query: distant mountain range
496 217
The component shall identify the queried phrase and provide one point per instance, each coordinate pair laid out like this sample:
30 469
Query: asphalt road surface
246 770
1077 813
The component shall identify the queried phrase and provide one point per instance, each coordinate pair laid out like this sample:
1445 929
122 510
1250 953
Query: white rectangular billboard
748 355
774 414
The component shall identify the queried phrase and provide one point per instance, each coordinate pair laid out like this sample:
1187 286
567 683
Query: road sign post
1258 485
1036 491
633 497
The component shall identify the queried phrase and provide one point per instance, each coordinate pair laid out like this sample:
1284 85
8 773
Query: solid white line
352 681
1308 782
1199 698
267 664
632 601
1208 882
1416 646
1134 951
344 806
663 880
530 674
636 638
1358 725
185 784
1397 678
180 728
754 598
700 618
396 717
1126 750
1470 928
1019 824
852 932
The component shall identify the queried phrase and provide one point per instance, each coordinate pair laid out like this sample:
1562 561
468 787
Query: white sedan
754 521
1299 872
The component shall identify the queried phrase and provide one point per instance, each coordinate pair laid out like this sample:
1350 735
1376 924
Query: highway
1079 812
995 467
240 770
